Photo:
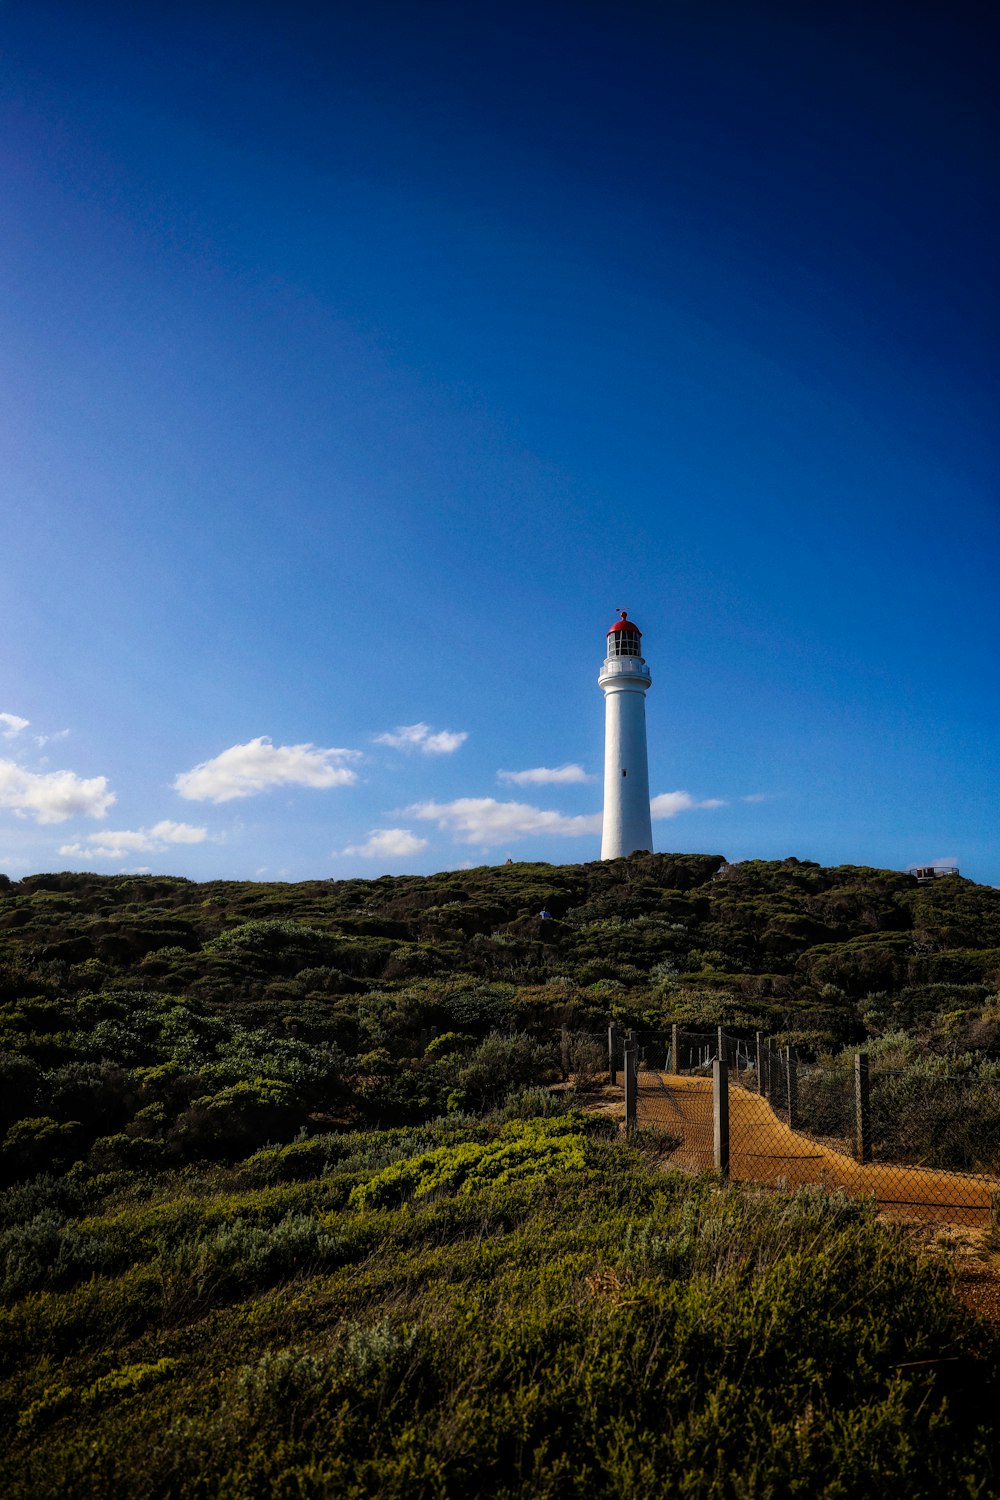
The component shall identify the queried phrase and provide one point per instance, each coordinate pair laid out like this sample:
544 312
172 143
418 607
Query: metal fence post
612 1054
760 1063
564 1050
720 1041
631 1081
720 1116
792 1080
675 1057
863 1109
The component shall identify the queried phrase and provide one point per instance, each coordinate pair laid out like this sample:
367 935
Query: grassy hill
507 1308
289 1208
192 1018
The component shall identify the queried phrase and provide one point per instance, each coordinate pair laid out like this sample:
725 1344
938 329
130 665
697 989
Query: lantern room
624 637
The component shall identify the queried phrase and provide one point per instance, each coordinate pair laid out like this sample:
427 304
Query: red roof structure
624 624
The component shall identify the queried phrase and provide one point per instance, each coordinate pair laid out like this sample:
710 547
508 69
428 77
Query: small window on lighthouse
624 772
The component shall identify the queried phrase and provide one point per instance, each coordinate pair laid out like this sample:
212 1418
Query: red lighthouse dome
624 637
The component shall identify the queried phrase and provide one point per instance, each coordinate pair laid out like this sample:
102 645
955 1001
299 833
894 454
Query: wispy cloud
257 766
420 737
116 844
50 739
755 797
485 821
546 776
669 804
53 796
11 725
388 843
488 822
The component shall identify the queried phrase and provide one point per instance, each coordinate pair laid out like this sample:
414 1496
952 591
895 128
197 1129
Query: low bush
528 1150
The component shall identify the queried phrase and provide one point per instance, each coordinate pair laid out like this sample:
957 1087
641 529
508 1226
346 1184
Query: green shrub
38 1144
499 1066
45 1251
245 1255
525 1150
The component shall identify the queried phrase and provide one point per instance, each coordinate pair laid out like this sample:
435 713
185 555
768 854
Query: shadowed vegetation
515 1308
147 1019
291 1208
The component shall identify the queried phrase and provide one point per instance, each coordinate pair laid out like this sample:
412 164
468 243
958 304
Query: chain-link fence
924 1142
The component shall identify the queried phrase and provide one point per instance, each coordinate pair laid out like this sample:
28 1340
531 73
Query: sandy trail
764 1149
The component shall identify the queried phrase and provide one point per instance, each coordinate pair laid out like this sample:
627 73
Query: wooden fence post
720 1043
792 1081
760 1063
720 1116
612 1054
863 1109
631 1081
675 1057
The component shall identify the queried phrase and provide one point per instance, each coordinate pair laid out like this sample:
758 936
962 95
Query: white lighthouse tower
625 679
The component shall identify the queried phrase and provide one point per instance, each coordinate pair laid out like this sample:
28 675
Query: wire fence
922 1141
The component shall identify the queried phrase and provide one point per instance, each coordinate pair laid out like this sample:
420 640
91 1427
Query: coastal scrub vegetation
289 1204
513 1306
147 1020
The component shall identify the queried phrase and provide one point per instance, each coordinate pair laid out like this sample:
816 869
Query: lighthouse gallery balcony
624 666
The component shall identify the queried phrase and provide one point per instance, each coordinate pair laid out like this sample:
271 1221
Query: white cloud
485 821
445 741
95 851
388 843
116 844
546 776
419 737
53 796
178 833
49 739
12 724
245 770
669 804
755 797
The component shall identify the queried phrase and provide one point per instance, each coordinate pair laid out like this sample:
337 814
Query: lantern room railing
621 666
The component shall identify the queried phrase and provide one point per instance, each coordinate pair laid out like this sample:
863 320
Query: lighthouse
625 679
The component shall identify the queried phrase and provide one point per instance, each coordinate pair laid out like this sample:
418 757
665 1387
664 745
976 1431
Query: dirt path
781 1153
764 1149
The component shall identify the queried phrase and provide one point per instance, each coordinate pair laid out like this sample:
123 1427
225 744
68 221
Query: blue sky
361 361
